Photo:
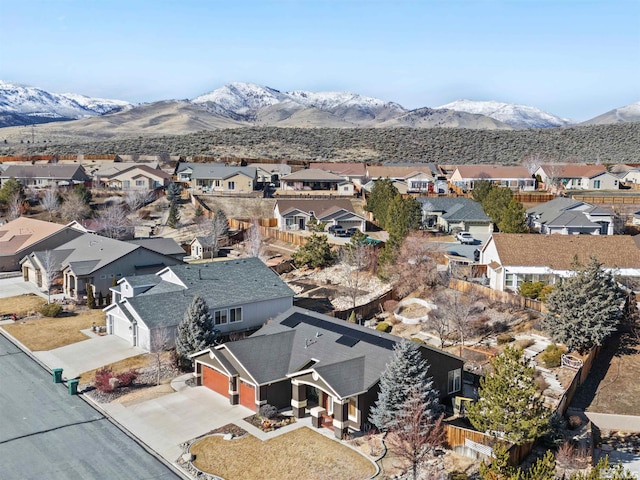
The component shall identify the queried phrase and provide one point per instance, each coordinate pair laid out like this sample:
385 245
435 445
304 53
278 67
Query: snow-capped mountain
628 113
245 100
35 105
516 116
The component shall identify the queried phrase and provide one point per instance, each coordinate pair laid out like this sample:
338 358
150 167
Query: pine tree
100 298
496 202
91 301
510 405
195 331
221 223
173 192
315 253
382 193
513 218
481 189
585 308
174 215
499 469
405 370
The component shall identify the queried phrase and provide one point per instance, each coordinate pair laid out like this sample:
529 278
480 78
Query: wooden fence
632 199
460 438
367 310
578 379
497 296
271 232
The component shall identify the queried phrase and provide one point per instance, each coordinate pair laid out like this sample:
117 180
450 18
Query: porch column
340 418
298 399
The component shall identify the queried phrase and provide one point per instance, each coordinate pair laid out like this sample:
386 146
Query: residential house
202 246
353 172
310 179
102 170
570 217
309 361
93 261
400 186
295 214
513 177
213 177
631 176
577 176
165 246
138 177
449 214
268 173
515 258
241 295
42 176
24 235
419 178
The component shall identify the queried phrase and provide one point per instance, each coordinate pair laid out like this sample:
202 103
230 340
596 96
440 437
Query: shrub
102 380
268 411
540 382
524 343
51 310
417 340
383 327
542 296
500 326
552 356
127 378
505 338
530 289
575 421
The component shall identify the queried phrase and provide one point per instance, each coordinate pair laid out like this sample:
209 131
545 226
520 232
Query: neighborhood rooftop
22 232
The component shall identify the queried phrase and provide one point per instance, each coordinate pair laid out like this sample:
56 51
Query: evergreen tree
382 193
315 253
174 215
11 188
174 190
585 308
499 469
195 331
496 202
510 405
100 298
406 370
83 193
91 301
513 218
221 223
603 470
403 216
481 189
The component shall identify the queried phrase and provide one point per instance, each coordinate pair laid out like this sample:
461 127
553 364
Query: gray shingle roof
53 171
210 170
312 174
455 209
165 246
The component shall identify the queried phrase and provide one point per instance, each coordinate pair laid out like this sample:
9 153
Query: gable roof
23 232
312 174
51 170
156 172
165 246
455 209
492 171
213 170
557 251
320 207
342 168
398 171
566 211
221 284
574 170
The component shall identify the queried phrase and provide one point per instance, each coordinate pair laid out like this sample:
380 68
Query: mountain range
239 104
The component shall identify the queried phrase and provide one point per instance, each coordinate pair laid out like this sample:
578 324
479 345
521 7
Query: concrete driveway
164 423
14 286
87 355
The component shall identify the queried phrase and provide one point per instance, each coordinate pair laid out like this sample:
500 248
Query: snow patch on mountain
34 102
517 116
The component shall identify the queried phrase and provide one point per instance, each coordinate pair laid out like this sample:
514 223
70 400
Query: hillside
617 143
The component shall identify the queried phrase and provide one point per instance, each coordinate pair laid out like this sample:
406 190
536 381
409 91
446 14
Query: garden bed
270 424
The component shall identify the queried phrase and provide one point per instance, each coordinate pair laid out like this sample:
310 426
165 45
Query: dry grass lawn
42 333
21 305
301 453
139 361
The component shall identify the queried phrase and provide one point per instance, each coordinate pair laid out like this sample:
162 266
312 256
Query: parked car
465 238
337 230
352 231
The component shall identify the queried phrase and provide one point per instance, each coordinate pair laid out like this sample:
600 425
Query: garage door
215 380
247 395
478 229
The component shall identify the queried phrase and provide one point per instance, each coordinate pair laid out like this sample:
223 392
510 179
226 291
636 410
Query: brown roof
377 171
340 168
23 232
493 171
574 170
312 175
557 251
145 168
320 207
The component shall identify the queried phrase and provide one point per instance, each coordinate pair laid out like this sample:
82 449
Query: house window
235 314
509 280
353 408
231 185
126 184
596 184
220 317
139 183
218 183
454 381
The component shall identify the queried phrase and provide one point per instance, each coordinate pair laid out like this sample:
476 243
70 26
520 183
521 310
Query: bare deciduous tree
15 207
354 258
533 162
74 208
136 199
254 239
160 344
415 265
457 309
50 201
49 271
438 321
113 222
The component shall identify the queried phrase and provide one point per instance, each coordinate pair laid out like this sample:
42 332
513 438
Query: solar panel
290 322
347 341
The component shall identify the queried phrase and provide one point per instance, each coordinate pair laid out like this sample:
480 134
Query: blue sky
573 58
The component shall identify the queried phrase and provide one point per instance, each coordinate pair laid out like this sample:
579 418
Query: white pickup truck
465 238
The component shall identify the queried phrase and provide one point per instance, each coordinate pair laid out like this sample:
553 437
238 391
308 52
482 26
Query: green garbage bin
57 375
73 386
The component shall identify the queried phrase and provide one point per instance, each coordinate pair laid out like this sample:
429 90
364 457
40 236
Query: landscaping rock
228 436
188 457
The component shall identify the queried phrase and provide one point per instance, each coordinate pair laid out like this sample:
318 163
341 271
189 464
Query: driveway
89 354
14 286
164 423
